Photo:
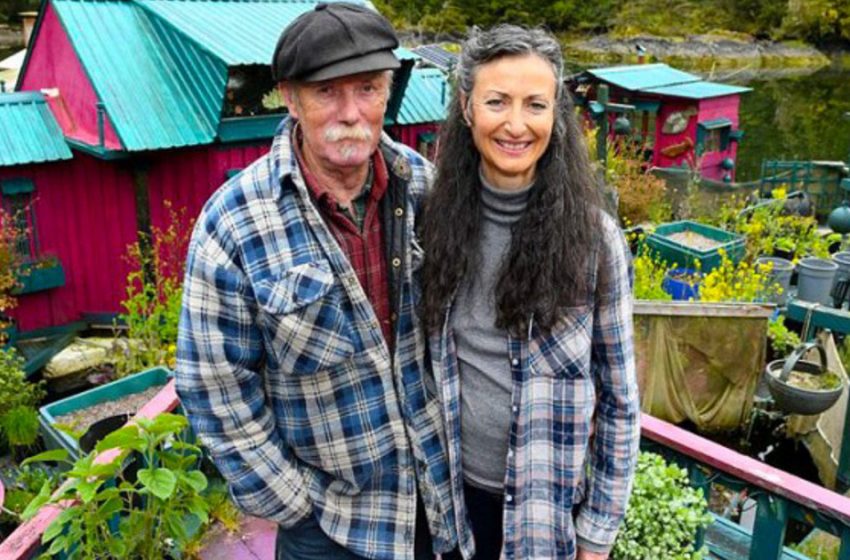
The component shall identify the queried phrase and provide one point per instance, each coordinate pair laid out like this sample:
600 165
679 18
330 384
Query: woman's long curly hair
549 264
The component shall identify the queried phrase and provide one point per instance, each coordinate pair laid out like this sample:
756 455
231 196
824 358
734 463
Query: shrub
16 395
663 515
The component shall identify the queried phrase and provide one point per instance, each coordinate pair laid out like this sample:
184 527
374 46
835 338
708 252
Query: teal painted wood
769 529
729 541
697 90
239 129
28 131
844 548
34 279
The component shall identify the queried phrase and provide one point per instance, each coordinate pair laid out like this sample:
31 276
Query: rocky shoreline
698 52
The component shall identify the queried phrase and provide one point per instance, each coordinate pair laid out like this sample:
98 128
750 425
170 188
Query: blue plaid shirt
574 433
285 374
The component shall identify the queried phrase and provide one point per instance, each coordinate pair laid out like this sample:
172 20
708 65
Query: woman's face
511 111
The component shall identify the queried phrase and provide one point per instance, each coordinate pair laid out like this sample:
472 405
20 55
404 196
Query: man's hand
587 555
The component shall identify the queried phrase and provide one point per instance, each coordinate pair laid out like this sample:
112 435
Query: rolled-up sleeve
613 456
219 380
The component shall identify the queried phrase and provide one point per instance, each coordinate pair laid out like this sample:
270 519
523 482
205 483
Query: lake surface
794 118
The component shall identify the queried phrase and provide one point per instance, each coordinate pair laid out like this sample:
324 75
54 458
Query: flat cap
334 39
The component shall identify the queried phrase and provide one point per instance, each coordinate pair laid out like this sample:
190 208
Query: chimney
29 22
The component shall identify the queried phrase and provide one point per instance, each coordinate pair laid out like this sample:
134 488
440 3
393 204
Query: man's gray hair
482 46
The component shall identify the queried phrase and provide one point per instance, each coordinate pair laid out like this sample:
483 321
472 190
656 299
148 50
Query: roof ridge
21 97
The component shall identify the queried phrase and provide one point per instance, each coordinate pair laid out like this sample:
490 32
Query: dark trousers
485 515
307 541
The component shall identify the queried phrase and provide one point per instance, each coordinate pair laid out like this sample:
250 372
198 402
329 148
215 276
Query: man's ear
464 109
287 91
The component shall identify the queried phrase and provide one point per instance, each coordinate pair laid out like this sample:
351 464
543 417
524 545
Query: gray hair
482 46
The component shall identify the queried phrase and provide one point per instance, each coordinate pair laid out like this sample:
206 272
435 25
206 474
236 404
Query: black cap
335 39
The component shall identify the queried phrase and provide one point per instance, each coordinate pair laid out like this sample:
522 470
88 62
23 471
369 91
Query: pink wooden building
679 118
158 100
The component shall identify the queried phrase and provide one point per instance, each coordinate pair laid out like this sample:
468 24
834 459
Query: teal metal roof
698 90
425 99
663 80
159 88
28 131
161 66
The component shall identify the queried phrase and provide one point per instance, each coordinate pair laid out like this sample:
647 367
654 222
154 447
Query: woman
527 300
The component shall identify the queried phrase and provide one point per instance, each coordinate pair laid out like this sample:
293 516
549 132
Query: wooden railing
779 496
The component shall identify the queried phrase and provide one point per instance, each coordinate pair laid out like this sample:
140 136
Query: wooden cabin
678 118
159 101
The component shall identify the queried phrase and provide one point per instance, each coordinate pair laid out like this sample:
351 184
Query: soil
129 404
694 240
826 381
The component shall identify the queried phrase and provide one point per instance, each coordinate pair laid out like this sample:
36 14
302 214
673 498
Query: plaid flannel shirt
285 374
574 404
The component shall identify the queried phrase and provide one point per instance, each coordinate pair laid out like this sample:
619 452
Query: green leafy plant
663 515
782 339
18 399
22 486
152 510
154 293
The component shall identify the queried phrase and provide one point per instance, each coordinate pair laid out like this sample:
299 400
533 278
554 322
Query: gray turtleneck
482 348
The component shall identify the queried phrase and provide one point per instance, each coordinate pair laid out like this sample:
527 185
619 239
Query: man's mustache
339 132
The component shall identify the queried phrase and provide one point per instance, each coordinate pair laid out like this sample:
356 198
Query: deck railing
780 496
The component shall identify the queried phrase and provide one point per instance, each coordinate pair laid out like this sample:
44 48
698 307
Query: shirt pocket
303 322
565 351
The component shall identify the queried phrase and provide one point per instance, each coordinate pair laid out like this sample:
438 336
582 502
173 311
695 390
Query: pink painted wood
53 63
748 469
255 540
85 212
24 541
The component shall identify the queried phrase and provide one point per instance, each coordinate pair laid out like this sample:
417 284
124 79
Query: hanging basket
792 398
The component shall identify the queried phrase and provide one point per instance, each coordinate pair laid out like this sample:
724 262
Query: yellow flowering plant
738 282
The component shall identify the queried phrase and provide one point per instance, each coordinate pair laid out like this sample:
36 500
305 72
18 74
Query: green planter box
673 251
37 279
55 439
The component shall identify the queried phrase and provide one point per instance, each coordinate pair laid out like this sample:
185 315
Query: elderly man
300 356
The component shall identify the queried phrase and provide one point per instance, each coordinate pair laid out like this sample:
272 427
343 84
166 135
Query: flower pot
798 400
100 430
687 243
814 279
780 273
679 283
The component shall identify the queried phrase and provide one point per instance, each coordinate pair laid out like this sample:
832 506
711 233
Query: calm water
794 118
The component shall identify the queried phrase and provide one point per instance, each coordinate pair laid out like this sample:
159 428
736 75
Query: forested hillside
819 22
9 9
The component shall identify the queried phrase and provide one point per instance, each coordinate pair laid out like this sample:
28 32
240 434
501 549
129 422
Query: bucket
780 273
814 279
798 400
842 259
681 283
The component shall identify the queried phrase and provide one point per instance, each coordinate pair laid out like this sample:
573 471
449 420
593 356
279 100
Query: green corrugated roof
663 80
698 90
161 66
28 131
426 97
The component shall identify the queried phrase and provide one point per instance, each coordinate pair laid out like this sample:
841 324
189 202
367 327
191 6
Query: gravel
694 240
129 404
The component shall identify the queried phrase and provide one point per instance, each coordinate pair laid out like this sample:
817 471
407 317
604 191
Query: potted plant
803 387
18 401
682 284
151 528
10 262
663 515
43 273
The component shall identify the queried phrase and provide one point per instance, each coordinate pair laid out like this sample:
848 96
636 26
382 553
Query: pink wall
54 64
187 178
85 213
719 108
662 141
409 135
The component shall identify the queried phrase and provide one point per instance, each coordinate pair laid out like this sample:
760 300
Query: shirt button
399 212
515 408
509 498
394 317
510 453
396 262
515 362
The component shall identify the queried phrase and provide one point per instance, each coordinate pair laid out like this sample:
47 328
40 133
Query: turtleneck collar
501 206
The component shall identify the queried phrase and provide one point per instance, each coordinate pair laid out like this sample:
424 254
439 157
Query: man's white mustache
340 132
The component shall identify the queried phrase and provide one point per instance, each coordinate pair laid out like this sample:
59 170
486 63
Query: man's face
341 118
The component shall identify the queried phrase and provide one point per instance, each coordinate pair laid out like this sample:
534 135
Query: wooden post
602 130
769 530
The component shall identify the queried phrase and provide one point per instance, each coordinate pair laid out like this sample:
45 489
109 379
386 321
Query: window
426 144
713 136
17 202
